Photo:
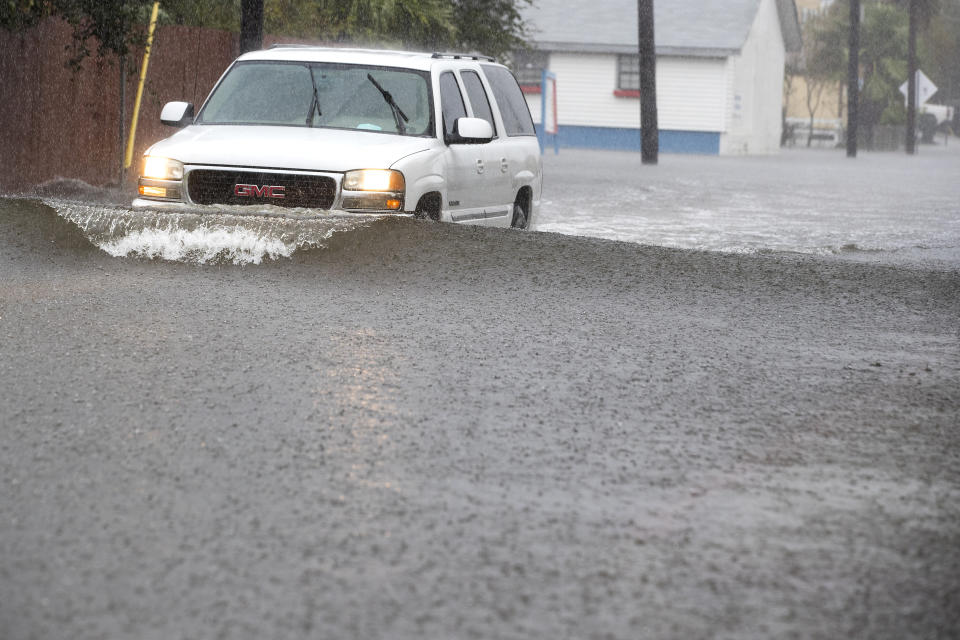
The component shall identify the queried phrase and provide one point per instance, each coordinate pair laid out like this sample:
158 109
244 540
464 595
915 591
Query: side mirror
470 131
177 114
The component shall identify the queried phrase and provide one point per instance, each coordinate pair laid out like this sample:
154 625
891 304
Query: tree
494 27
879 56
939 51
880 65
883 63
420 23
791 72
18 15
919 12
113 27
822 60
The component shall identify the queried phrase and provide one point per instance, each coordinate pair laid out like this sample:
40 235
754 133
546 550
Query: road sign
925 89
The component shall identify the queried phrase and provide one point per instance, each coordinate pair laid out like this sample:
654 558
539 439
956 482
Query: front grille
209 186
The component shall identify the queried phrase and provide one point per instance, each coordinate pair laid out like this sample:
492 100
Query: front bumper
179 192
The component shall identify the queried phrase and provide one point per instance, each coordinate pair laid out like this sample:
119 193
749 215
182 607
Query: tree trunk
814 96
912 81
649 127
251 25
853 79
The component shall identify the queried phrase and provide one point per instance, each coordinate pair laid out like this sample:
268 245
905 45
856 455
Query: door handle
479 166
504 165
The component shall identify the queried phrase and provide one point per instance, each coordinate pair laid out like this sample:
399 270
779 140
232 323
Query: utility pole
912 81
649 127
853 79
251 25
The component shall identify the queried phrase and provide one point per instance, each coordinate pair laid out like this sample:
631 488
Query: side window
477 96
513 107
451 102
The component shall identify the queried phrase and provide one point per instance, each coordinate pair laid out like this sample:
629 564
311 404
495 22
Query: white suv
440 135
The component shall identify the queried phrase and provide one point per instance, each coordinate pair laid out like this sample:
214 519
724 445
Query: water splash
209 235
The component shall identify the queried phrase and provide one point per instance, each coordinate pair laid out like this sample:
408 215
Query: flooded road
205 235
391 428
880 207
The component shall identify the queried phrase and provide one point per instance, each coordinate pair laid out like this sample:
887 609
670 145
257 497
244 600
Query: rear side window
477 96
513 108
451 102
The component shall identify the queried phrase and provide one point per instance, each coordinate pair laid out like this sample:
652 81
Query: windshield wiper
315 101
397 112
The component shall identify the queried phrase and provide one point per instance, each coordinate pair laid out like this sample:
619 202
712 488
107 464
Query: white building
720 66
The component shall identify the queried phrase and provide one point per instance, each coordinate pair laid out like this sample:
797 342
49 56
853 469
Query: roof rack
462 56
291 45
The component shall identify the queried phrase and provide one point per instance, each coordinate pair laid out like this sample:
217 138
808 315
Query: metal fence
886 137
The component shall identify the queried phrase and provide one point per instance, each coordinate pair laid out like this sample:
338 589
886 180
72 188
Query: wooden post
853 79
912 81
251 25
649 127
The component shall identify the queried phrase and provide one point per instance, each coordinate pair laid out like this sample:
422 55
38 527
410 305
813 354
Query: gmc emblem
253 191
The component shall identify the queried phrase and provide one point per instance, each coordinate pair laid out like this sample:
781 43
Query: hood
287 147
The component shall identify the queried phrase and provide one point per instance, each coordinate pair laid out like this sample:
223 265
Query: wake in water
211 235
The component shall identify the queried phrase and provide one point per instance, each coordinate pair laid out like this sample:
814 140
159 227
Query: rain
696 384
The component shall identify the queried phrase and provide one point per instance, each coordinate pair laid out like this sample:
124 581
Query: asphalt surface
430 431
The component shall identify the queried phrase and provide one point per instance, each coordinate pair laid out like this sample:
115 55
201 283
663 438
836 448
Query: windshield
379 99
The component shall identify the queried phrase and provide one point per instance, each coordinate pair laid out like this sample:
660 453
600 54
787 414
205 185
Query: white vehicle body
483 168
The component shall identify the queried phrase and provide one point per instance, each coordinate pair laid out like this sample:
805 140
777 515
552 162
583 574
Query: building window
528 67
628 73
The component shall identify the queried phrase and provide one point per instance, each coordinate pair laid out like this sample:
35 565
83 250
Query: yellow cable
143 78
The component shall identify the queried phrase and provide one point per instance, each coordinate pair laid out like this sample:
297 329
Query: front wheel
520 219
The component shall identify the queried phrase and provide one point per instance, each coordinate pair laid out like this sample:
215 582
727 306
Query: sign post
548 110
128 159
853 79
922 89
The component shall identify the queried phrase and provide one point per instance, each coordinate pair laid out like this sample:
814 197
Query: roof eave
789 25
589 47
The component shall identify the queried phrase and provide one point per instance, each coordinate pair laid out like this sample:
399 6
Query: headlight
162 168
373 180
373 190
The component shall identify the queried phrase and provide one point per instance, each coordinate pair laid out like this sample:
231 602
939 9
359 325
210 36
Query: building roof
703 28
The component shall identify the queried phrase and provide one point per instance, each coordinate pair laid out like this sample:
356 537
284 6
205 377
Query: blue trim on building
622 139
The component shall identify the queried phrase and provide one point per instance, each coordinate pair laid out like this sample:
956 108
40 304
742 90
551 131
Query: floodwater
206 235
885 208
240 425
880 206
